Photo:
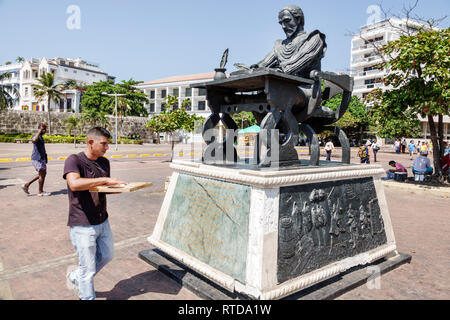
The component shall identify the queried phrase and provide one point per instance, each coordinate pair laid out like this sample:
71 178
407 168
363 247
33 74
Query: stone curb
441 191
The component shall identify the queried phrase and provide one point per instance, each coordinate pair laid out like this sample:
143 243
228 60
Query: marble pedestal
267 234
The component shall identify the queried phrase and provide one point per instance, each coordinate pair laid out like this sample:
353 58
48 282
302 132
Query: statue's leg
278 137
314 143
344 144
219 151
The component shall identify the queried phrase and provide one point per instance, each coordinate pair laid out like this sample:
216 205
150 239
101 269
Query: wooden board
130 187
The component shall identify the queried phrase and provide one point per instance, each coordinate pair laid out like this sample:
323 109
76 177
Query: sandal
25 189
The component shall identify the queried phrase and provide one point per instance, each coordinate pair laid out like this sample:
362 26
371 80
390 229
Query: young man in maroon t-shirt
88 218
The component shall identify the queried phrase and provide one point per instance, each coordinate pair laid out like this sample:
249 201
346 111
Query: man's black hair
99 132
391 163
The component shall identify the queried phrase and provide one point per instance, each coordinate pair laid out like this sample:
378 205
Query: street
35 247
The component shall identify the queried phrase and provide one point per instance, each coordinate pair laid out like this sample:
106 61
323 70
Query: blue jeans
429 170
95 248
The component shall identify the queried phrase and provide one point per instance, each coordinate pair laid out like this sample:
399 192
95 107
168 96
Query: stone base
267 234
326 290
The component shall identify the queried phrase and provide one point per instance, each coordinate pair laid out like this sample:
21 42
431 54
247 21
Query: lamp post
114 95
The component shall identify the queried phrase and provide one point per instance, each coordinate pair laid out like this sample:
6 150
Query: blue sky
147 40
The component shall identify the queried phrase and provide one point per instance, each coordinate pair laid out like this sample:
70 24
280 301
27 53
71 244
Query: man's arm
76 183
36 136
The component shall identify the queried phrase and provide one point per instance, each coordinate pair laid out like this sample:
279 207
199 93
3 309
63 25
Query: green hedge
11 138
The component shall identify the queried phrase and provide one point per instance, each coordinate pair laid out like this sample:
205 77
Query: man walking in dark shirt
90 232
39 161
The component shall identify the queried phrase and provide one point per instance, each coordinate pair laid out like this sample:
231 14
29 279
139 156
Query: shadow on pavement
140 284
60 192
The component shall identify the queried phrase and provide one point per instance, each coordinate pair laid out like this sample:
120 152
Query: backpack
362 152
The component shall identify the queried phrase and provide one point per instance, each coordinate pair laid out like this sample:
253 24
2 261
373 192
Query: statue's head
292 20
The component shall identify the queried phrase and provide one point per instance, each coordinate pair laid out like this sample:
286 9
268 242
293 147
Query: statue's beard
291 33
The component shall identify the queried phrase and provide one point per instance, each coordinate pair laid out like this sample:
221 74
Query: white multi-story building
158 90
26 73
365 60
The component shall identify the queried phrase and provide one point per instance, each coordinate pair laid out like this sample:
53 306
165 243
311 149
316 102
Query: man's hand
113 181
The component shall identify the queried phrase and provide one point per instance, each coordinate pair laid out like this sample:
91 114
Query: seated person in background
397 167
422 164
445 163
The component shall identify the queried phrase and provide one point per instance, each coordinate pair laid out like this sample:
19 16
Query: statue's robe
297 56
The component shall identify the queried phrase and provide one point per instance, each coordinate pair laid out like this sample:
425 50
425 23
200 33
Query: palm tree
74 122
20 59
7 92
48 89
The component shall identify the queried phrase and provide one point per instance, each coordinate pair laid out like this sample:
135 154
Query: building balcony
362 61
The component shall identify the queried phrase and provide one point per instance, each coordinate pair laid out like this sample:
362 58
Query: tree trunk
436 153
49 120
441 135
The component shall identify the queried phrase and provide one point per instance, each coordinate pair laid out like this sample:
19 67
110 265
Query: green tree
392 120
74 122
48 89
132 104
356 120
20 59
170 121
419 79
7 92
244 119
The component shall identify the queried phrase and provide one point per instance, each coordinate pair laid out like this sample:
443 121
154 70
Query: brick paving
35 247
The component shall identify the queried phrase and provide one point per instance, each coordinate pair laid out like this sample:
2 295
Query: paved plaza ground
35 247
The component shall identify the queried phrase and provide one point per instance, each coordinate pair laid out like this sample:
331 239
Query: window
202 92
74 71
152 107
69 104
61 105
163 93
201 105
26 91
163 107
188 92
176 92
66 70
152 94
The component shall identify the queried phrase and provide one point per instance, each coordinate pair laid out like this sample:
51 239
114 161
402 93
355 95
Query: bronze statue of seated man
300 53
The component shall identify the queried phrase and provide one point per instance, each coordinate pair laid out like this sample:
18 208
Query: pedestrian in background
411 149
39 160
329 147
404 145
397 146
423 147
376 146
